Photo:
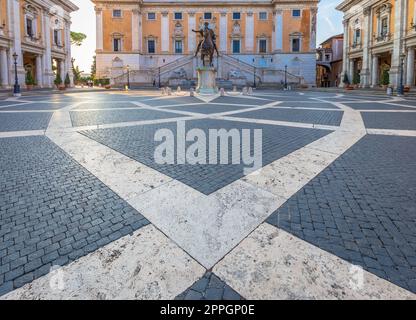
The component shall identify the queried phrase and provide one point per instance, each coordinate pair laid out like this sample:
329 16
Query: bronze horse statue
207 45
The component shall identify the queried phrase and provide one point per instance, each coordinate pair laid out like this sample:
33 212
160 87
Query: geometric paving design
24 121
389 120
138 143
362 208
52 211
332 118
209 287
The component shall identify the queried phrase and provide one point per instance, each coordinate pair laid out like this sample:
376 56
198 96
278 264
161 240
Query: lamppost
254 75
159 78
16 91
128 77
400 89
286 77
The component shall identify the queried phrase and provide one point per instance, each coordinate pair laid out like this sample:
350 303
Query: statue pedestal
206 80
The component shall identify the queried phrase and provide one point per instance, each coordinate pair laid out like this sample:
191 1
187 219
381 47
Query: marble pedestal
206 80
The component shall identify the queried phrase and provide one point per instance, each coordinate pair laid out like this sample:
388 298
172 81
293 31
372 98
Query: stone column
351 70
61 68
223 32
399 26
374 72
4 69
140 35
68 58
99 28
47 56
39 77
135 30
278 30
165 32
17 43
410 68
191 35
249 33
312 45
345 53
367 28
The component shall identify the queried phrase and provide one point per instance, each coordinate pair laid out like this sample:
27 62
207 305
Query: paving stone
209 287
138 143
24 121
390 120
34 176
208 108
376 170
376 106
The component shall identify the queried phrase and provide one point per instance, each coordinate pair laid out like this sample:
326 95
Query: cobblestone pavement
24 121
332 118
336 192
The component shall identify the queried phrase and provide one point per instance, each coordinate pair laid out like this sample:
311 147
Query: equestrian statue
207 45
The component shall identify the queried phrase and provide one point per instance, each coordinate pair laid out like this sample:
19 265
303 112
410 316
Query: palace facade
257 40
38 31
379 41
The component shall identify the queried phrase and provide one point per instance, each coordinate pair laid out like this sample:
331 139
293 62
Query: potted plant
346 82
58 82
385 79
356 80
406 88
67 81
30 82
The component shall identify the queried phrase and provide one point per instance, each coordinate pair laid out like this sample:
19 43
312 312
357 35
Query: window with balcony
151 46
57 37
116 44
178 46
384 27
295 45
262 46
236 46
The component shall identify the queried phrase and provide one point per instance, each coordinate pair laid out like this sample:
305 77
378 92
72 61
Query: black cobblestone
37 106
243 101
24 121
208 108
390 120
209 287
88 118
362 208
332 118
46 202
106 105
171 101
375 106
309 104
138 143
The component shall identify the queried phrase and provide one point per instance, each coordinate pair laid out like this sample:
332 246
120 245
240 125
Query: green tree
356 79
94 67
77 38
76 72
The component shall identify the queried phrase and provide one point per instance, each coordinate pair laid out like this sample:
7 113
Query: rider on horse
207 34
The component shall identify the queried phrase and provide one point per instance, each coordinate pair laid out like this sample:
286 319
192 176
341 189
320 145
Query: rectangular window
151 46
207 15
296 13
236 15
262 45
29 27
56 37
151 16
178 15
357 36
295 45
262 15
178 46
384 27
116 13
236 46
117 45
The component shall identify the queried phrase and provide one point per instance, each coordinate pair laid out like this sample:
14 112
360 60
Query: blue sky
329 23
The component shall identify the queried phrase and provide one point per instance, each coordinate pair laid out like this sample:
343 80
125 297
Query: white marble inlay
272 264
143 266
